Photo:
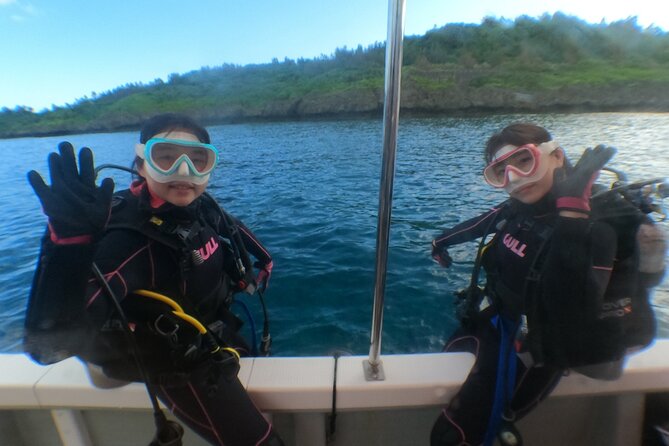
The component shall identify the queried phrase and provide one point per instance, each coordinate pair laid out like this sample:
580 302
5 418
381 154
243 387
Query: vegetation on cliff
552 63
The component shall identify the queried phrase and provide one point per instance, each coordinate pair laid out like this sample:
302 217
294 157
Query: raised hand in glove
77 208
440 254
572 190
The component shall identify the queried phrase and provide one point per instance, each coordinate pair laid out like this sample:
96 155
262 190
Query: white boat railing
301 388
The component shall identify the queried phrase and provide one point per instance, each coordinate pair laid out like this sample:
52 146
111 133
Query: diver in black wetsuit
163 237
563 286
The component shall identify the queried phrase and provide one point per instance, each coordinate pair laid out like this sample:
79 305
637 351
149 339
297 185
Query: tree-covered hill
551 63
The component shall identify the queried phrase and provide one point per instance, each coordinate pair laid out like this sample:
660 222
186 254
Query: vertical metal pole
393 71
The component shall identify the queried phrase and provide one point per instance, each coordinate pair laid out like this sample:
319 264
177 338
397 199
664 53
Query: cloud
21 11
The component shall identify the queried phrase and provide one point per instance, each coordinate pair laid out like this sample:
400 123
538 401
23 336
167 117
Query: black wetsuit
547 280
213 403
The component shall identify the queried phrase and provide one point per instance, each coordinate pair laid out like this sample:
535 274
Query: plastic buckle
166 332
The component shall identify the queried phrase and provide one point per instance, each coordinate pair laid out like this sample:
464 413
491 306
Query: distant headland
555 63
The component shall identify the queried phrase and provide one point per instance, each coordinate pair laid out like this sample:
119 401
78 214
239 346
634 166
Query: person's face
531 193
179 193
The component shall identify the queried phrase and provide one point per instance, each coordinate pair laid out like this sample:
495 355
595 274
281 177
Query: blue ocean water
309 190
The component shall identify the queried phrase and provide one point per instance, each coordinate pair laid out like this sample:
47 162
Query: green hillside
551 63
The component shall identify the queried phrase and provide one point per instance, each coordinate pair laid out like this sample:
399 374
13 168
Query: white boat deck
57 404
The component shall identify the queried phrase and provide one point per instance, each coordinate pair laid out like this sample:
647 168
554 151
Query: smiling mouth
181 186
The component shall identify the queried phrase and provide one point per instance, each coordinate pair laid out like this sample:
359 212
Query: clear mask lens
167 156
523 161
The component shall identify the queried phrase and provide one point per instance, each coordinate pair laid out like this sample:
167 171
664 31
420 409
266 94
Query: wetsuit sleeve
55 307
128 263
575 278
66 301
253 246
468 230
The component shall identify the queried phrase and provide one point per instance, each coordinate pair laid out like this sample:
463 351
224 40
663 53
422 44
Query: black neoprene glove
76 207
440 254
572 190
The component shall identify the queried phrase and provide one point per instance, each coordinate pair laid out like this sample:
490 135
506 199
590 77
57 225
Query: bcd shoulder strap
127 215
243 265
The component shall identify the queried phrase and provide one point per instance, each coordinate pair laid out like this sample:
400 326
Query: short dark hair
168 122
515 134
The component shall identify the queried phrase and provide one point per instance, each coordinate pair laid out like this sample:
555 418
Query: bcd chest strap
128 215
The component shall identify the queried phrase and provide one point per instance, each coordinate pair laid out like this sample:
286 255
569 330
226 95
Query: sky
53 52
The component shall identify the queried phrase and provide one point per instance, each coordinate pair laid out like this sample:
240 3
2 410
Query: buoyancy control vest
111 351
127 214
569 333
52 335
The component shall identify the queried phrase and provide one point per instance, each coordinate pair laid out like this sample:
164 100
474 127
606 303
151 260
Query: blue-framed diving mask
178 160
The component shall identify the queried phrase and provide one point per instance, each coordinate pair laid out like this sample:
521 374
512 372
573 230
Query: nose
183 168
512 176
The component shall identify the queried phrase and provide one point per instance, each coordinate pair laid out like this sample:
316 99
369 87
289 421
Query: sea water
310 192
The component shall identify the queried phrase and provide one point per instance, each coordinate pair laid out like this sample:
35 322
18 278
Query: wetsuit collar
543 207
140 188
149 201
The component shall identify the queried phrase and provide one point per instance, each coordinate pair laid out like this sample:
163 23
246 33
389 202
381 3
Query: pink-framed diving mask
515 166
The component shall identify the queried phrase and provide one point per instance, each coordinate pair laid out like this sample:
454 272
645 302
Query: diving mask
178 160
515 166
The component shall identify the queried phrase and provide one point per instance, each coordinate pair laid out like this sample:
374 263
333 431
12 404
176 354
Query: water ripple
310 192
